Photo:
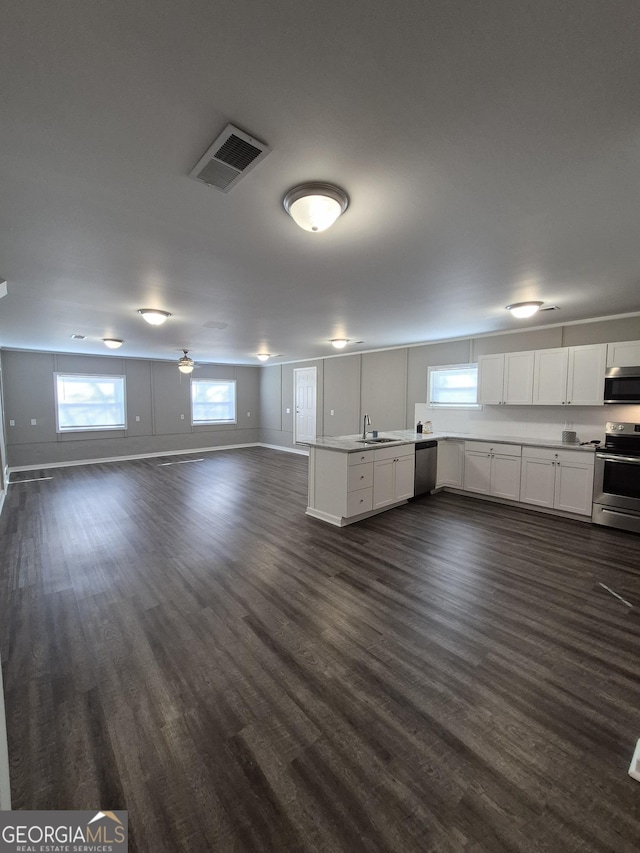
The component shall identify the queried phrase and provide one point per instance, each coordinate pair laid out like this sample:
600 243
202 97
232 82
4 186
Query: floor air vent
232 155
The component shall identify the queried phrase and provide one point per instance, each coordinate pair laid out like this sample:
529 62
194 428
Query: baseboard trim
106 459
5 784
297 450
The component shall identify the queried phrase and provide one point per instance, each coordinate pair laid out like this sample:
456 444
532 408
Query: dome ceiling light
522 310
112 343
264 356
154 316
186 364
315 206
339 343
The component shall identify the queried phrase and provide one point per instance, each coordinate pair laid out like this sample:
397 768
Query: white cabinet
506 379
450 464
393 475
492 469
623 354
570 376
558 479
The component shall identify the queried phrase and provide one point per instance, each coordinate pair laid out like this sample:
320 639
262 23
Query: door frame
296 371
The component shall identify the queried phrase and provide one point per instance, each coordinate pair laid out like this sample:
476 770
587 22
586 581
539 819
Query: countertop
353 443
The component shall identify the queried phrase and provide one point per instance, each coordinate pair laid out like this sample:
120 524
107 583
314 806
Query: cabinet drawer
359 501
492 447
360 457
564 456
394 452
360 476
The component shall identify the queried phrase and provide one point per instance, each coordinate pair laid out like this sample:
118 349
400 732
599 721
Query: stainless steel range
616 483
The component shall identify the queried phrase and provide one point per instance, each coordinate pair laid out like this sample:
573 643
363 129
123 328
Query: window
89 402
453 387
213 401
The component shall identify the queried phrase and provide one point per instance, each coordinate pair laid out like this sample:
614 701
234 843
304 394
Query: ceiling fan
186 364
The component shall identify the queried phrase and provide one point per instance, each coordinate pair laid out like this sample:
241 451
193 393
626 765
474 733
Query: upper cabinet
570 376
623 354
506 379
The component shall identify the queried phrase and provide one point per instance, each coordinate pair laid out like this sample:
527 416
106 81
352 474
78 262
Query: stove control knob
620 427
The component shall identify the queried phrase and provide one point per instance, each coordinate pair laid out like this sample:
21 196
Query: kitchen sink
377 440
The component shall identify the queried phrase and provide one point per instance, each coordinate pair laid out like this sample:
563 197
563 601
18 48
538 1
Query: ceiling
490 150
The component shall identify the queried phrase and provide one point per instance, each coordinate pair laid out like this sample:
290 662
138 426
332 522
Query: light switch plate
34 422
181 417
634 767
12 423
137 417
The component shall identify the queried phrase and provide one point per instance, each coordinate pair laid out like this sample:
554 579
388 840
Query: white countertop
353 443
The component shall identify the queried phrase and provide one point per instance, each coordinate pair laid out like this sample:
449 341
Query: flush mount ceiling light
186 364
112 343
264 356
521 310
153 316
339 343
315 206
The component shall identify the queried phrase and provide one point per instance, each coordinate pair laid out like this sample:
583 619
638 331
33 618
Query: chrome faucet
365 423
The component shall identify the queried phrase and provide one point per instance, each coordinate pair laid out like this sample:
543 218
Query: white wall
528 421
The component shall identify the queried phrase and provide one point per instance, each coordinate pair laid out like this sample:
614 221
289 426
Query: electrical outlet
138 418
12 423
34 422
248 414
288 411
332 412
181 417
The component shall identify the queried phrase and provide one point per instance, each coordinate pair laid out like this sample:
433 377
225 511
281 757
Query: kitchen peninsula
351 478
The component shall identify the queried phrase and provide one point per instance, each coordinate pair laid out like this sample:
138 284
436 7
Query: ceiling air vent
232 155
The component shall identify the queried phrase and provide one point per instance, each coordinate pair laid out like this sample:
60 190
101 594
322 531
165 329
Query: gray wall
157 393
387 384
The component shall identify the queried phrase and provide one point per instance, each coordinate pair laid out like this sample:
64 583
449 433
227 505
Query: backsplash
528 421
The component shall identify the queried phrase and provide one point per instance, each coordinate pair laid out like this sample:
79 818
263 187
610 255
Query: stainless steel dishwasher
426 463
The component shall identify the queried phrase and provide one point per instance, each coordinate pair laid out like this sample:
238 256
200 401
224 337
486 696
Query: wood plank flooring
183 642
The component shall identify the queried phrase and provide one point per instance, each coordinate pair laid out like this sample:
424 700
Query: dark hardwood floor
183 642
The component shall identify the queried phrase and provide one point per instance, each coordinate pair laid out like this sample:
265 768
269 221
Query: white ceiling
490 149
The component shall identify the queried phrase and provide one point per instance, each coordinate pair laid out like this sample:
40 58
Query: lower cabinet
492 469
558 479
450 464
393 475
345 486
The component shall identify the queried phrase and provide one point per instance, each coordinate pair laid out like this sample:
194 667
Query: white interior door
304 393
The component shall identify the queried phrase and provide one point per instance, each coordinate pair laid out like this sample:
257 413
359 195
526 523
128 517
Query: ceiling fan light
186 364
112 343
315 206
264 356
339 343
522 310
154 316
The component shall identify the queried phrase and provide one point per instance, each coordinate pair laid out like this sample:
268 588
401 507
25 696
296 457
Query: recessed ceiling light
315 206
264 356
521 310
112 343
78 337
153 316
339 343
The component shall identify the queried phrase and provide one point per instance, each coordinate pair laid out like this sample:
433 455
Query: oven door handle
630 460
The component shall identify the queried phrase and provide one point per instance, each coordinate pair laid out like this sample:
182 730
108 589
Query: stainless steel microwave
622 385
